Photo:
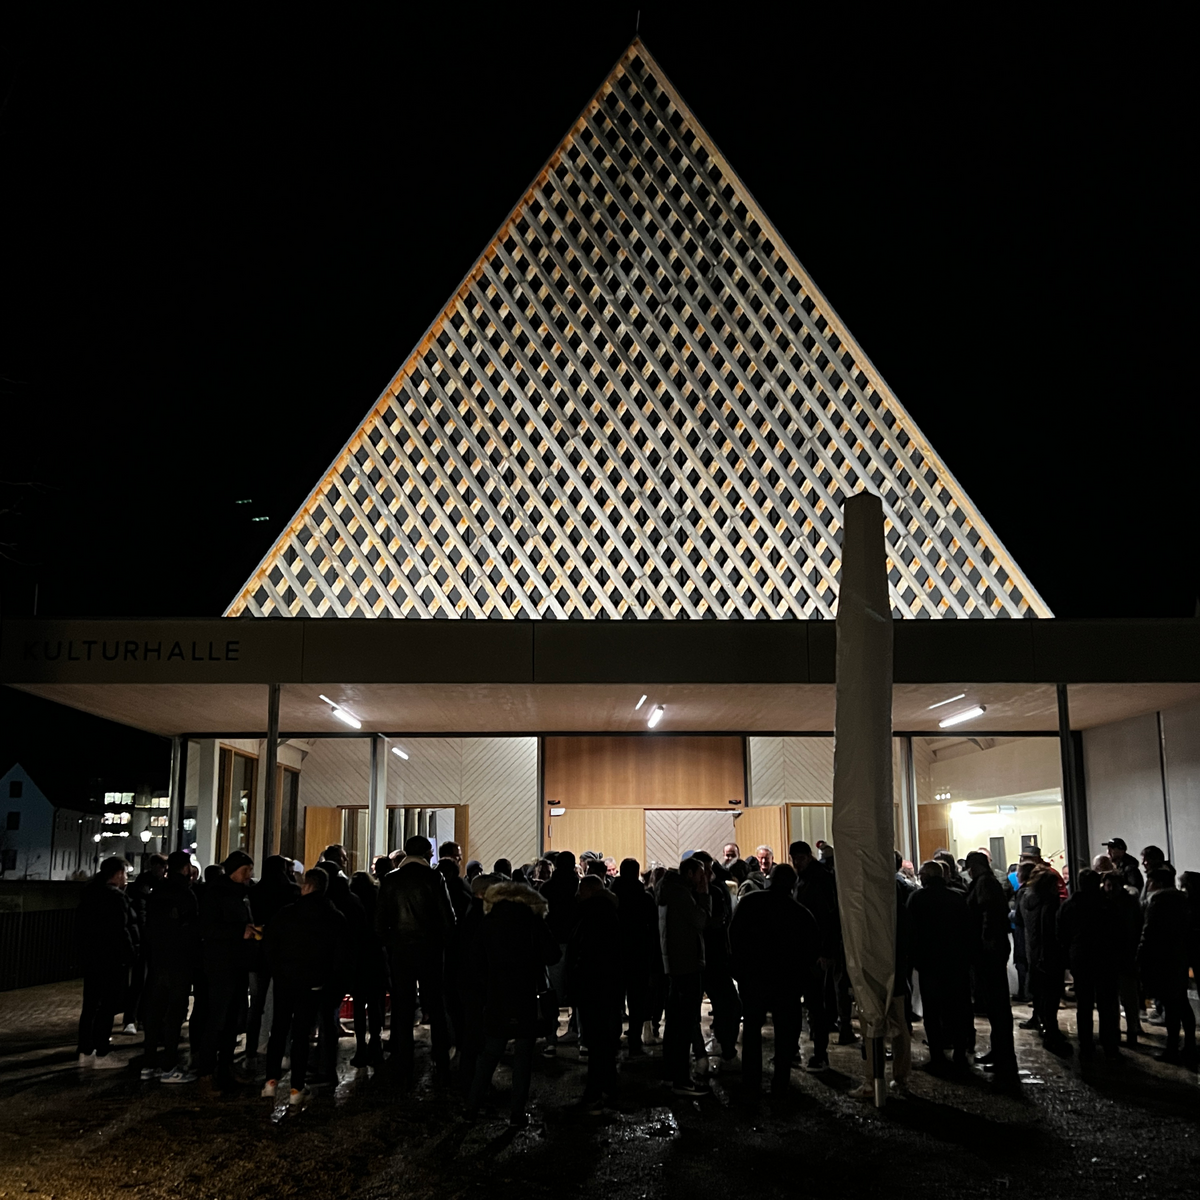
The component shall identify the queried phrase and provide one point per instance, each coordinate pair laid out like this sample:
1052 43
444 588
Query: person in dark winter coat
638 916
987 912
416 923
775 942
172 952
138 894
755 880
593 951
816 889
368 977
560 891
718 965
940 952
275 890
518 946
684 910
1125 934
1085 926
226 930
1163 962
107 946
1040 907
470 981
1020 957
308 946
1126 864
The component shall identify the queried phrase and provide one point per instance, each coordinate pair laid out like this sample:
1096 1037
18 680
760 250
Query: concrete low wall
37 932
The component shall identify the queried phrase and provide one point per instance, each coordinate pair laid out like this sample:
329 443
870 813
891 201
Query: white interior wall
1123 780
1181 734
1013 768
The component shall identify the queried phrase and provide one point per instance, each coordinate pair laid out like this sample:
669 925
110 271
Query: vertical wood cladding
644 772
637 404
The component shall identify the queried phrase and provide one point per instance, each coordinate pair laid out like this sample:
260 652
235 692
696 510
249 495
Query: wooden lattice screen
637 404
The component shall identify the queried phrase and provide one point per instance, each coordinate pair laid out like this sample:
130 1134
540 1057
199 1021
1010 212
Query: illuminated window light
960 696
639 704
399 753
656 716
967 715
342 715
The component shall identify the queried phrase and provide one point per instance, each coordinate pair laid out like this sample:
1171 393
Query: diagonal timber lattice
637 404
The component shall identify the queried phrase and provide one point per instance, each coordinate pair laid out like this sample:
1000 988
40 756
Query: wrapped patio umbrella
863 834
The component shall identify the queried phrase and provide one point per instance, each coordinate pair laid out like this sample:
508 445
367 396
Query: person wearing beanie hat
226 929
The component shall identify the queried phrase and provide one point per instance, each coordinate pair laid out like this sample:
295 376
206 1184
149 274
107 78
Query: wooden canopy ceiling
637 403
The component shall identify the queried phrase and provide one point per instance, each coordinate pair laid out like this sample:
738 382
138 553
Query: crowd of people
495 958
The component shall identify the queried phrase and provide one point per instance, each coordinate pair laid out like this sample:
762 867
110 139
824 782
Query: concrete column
268 832
208 754
377 799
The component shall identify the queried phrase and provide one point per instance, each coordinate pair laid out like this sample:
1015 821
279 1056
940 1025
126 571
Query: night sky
222 239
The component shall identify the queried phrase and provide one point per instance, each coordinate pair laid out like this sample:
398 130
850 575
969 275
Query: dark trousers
260 983
837 995
1178 1011
818 1019
656 999
1131 1000
601 1017
757 1000
418 972
1046 983
489 1059
104 990
226 1017
295 1012
991 980
947 1011
165 1006
726 1004
1097 991
684 993
134 992
368 1012
635 989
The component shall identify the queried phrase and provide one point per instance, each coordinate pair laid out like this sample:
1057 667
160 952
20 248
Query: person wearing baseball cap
1125 863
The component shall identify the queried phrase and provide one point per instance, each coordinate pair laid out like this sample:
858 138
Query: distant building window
8 860
14 821
16 789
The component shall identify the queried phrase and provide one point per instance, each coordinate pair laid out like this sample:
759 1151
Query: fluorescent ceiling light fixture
960 696
967 715
639 704
342 715
656 716
399 753
557 812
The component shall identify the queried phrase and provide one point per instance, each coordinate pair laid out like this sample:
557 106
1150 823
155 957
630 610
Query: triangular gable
637 404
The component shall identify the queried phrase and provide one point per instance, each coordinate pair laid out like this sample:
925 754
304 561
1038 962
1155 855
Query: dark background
222 236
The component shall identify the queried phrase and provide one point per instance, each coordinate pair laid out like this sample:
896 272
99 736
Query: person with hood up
593 952
226 930
775 942
560 891
516 946
638 917
684 910
308 947
172 948
416 923
107 942
1040 906
1162 958
275 890
1085 925
939 949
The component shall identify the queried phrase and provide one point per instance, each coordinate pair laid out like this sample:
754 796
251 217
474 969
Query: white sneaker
298 1096
149 1073
86 1060
649 1034
268 1092
131 1028
178 1075
109 1062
